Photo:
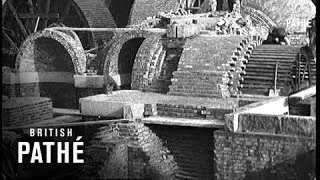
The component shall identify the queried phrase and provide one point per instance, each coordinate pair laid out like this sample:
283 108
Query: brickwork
262 156
143 57
97 15
150 8
120 10
127 150
186 111
26 62
204 67
278 124
20 111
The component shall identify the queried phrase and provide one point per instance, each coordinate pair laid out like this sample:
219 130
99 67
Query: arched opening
55 70
126 59
120 10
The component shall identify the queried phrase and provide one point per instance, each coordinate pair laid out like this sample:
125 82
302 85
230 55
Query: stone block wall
278 124
262 156
20 111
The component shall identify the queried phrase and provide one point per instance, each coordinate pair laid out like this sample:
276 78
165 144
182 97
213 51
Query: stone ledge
92 81
202 123
274 106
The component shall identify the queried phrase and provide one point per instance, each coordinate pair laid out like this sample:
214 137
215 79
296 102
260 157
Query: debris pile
234 23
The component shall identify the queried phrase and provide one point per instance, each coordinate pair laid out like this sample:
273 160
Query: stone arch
111 60
97 15
68 39
258 15
46 64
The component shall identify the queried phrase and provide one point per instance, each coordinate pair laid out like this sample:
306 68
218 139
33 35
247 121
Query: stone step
270 78
268 70
274 61
275 57
269 66
263 53
258 81
268 74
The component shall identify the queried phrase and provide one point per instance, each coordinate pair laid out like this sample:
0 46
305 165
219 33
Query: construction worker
277 36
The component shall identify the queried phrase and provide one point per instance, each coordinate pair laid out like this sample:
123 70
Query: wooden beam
36 26
156 30
15 47
15 14
304 94
66 10
31 6
41 15
46 12
4 11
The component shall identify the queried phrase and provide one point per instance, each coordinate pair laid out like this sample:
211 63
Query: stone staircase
203 69
161 73
260 70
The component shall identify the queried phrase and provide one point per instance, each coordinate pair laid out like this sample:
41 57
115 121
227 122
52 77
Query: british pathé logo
42 152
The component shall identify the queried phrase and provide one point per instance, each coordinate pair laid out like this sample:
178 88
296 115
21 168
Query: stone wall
262 156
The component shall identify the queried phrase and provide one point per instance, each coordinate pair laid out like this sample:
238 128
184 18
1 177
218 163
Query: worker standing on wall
277 35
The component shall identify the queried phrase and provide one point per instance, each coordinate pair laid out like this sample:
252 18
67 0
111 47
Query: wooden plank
4 12
15 14
41 15
15 47
30 3
304 94
155 30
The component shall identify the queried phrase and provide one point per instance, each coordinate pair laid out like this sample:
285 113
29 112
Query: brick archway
142 58
68 39
259 16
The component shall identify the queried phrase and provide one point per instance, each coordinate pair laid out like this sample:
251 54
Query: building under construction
162 89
